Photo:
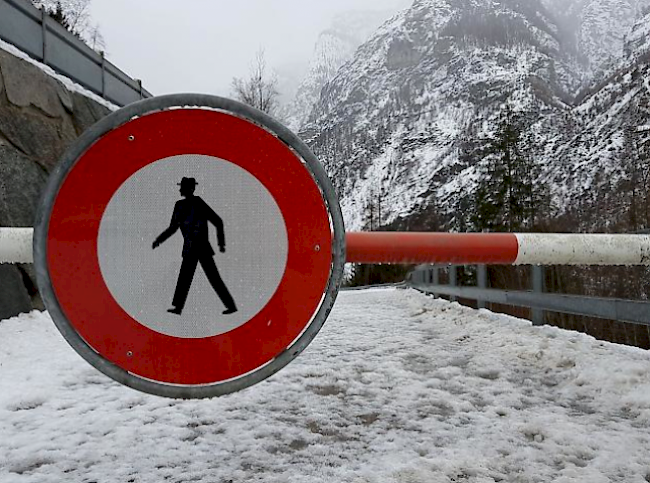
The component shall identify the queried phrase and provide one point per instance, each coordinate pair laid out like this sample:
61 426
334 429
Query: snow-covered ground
398 387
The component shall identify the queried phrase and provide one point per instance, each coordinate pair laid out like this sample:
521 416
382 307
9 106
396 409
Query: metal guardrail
33 31
425 278
378 285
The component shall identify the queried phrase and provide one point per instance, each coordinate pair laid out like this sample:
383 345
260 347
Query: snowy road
397 387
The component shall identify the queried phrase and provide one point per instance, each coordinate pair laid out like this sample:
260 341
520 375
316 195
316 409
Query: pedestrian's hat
188 182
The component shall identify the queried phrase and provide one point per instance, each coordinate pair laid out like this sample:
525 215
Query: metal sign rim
181 101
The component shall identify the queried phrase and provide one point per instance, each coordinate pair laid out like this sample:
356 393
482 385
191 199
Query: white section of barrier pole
16 245
579 249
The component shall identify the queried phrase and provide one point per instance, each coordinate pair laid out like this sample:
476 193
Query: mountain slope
389 125
394 123
334 47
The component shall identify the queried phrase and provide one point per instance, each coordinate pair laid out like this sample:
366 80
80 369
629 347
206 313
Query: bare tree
95 39
259 89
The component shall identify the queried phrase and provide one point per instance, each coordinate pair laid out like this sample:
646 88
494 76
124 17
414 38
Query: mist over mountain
400 125
289 77
335 46
595 29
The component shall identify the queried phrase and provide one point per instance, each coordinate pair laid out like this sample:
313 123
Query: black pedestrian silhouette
191 215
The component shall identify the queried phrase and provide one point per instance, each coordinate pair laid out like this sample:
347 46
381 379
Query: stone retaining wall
39 119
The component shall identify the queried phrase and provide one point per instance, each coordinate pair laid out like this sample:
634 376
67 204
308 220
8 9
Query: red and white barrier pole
457 248
498 248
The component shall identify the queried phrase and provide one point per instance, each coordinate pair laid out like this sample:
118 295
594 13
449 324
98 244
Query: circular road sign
189 246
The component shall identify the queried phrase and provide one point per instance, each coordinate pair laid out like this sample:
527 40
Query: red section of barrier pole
458 248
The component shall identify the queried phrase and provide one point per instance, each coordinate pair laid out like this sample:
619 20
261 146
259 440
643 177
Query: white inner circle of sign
144 280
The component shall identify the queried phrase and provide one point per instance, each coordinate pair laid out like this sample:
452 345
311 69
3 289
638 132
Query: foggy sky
200 45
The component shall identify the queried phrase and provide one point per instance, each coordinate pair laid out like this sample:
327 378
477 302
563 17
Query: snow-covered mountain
393 124
335 46
637 44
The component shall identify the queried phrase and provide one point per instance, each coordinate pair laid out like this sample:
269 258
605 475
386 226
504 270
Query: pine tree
635 162
507 197
60 17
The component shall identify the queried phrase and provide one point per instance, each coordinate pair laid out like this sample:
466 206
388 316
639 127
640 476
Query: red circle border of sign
74 265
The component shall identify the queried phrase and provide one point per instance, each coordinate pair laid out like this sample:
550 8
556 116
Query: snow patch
397 387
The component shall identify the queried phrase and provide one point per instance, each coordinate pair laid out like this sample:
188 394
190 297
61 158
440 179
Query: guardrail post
435 277
538 287
452 280
481 281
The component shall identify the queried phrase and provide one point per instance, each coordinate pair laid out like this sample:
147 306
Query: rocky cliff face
389 124
637 43
596 30
334 47
39 119
392 125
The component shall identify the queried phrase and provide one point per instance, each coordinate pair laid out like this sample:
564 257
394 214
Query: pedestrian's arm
218 223
173 226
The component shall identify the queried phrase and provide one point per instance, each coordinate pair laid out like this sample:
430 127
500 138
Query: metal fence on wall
42 38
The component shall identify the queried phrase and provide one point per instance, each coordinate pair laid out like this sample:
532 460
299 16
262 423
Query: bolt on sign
189 246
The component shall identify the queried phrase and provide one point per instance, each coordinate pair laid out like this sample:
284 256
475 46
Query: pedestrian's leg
210 269
185 276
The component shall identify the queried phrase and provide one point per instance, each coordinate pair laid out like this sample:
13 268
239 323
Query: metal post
432 278
44 17
103 74
481 281
435 277
538 287
452 280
